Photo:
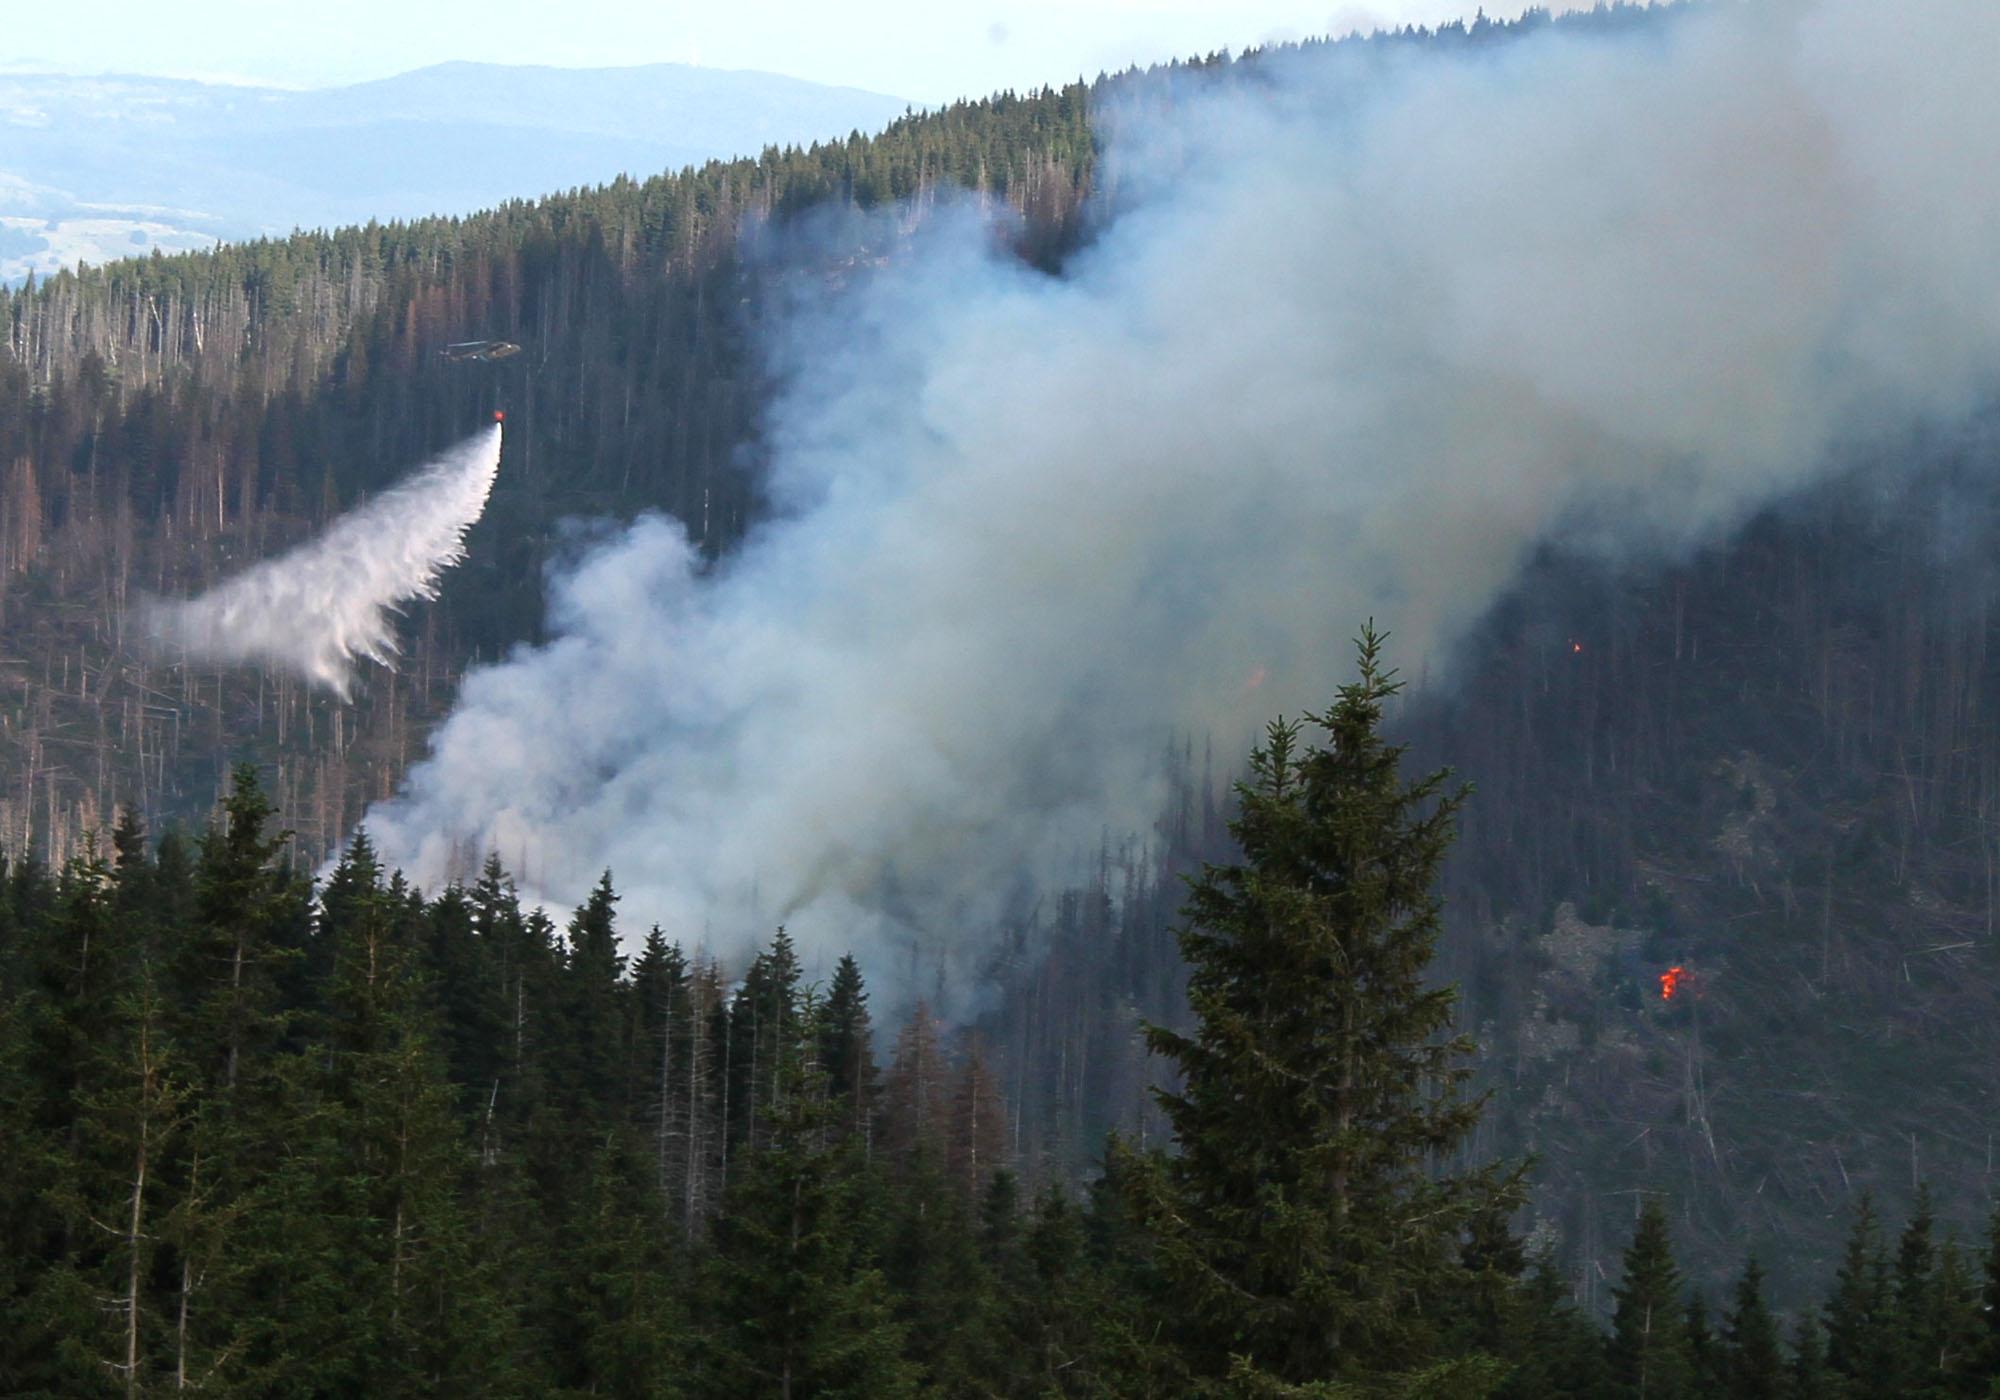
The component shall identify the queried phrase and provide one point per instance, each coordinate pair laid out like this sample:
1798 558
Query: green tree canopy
1308 1227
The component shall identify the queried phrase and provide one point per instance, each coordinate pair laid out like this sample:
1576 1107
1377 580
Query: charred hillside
1772 766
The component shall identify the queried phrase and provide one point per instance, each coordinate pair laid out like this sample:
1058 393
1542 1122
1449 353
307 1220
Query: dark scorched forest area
1770 766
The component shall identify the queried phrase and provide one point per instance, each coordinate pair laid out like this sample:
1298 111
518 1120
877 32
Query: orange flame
1575 648
1670 982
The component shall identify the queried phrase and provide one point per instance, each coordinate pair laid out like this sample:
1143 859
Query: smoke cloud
321 607
1365 332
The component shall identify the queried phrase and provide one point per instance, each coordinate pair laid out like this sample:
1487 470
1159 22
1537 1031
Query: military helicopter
484 351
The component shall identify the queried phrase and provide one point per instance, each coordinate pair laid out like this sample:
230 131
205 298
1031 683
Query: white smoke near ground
318 609
1367 333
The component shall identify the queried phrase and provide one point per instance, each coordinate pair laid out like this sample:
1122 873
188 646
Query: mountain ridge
96 167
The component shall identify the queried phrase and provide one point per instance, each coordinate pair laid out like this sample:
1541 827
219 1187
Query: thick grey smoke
1367 333
319 608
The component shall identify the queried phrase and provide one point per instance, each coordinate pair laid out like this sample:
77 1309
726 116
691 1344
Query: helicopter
485 351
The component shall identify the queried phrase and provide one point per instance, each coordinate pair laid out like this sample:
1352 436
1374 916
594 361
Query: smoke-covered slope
1364 339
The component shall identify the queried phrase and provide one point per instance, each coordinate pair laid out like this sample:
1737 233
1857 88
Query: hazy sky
926 50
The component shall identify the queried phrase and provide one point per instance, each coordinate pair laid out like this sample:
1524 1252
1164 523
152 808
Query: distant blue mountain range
94 168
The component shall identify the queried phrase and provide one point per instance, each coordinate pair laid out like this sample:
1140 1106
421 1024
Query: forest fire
1670 982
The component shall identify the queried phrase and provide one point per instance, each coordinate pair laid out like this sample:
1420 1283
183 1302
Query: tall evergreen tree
763 1021
1557 1352
1954 1337
944 1295
1989 1299
250 922
664 1021
1051 1305
98 1113
1806 1378
1753 1360
627 1336
1331 1248
1651 1358
1493 1309
594 1001
1705 1355
133 1120
458 967
245 935
847 1050
1860 1347
363 1245
1915 1317
794 1305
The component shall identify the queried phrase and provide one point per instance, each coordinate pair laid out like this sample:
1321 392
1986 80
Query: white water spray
321 607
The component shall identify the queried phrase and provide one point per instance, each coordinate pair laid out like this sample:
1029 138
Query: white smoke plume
318 609
1367 331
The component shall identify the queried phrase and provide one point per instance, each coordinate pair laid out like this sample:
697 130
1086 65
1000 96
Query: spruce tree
131 1123
1915 1316
847 1050
1954 1336
664 1019
1051 1305
627 1332
364 1249
458 981
1704 1354
1860 1348
1492 1313
1989 1300
944 1295
1557 1351
1806 1377
1308 1227
763 1021
245 934
1754 1365
249 925
1651 1358
24 1224
594 1037
524 968
793 1303
90 1149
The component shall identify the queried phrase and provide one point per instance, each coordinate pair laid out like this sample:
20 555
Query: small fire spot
1670 982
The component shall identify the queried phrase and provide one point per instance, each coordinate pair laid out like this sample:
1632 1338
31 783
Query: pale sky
924 50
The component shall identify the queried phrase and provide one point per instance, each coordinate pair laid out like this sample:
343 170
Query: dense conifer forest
374 1143
434 1131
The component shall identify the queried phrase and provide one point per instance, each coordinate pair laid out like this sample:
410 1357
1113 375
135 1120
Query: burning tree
1308 1227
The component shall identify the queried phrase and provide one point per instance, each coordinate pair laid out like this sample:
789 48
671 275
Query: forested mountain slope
1771 765
162 417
